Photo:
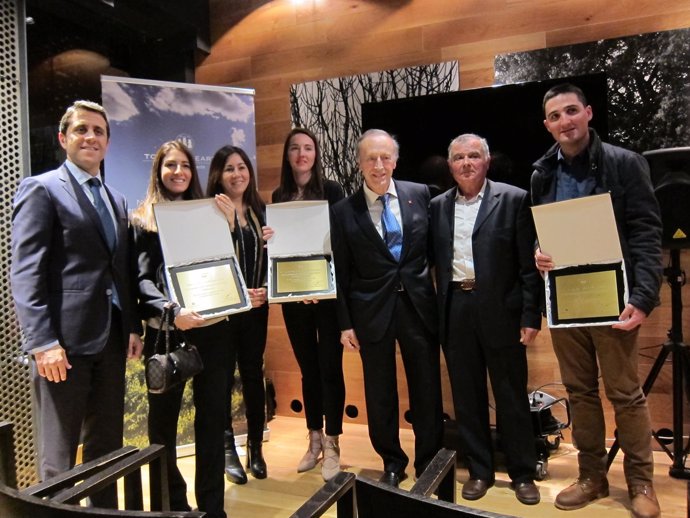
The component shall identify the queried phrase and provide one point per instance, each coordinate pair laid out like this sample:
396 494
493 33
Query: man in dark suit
385 293
71 287
488 293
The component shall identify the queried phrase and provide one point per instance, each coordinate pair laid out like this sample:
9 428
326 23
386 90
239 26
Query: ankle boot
233 467
331 457
313 454
255 460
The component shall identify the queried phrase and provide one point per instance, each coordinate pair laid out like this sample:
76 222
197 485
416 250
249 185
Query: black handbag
167 370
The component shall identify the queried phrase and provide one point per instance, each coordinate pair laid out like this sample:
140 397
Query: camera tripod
680 356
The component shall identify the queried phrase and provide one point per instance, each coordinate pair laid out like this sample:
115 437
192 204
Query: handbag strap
167 322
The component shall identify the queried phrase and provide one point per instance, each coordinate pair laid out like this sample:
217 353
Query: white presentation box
300 259
588 285
201 268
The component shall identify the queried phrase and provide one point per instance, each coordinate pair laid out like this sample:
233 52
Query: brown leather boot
581 493
643 501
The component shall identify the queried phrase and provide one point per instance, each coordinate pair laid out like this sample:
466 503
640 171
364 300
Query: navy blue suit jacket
62 270
367 274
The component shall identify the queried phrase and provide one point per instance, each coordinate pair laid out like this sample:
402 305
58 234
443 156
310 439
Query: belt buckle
467 284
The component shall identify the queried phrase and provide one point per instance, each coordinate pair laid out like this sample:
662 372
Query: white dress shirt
465 217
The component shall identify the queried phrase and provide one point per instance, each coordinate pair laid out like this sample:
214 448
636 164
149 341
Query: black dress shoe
526 492
392 478
475 488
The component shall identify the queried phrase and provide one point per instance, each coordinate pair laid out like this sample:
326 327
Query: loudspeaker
670 170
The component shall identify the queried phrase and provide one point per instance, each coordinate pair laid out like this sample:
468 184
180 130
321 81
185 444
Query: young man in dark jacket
580 164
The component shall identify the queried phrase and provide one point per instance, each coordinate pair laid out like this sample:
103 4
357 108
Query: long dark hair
251 197
156 191
313 190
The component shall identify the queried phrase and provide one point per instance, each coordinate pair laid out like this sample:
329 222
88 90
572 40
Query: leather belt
464 285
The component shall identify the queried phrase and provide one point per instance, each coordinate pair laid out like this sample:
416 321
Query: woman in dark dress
231 181
313 327
174 177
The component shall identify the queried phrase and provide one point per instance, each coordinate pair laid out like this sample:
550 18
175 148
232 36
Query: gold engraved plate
306 275
587 295
208 288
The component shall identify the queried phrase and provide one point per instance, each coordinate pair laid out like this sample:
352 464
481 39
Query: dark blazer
152 287
62 269
367 274
507 282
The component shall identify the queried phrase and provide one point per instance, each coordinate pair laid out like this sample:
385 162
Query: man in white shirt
488 298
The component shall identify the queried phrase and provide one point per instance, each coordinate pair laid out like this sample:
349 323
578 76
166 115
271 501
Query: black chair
59 496
340 490
438 477
375 499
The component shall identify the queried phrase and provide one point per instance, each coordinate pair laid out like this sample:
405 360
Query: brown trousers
584 352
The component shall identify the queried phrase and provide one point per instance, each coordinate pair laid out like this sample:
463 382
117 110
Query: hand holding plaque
200 267
588 285
300 264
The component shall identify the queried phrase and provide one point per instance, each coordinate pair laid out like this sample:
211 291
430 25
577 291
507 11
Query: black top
332 191
250 250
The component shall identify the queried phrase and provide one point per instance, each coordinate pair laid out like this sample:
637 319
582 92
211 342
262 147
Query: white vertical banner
143 114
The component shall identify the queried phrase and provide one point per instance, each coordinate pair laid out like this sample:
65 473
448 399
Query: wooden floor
285 490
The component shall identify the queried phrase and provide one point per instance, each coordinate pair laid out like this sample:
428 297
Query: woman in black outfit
174 177
231 180
313 328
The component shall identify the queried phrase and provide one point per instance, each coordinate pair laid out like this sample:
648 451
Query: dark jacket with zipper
625 175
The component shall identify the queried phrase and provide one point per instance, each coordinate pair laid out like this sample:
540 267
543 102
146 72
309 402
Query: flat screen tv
510 117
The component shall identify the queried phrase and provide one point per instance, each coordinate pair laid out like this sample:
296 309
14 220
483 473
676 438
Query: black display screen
510 117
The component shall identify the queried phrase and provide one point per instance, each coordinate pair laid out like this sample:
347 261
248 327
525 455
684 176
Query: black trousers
164 411
89 405
209 421
210 389
469 356
315 338
247 338
421 358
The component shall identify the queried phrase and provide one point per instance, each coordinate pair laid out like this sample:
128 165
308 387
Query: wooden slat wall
269 45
